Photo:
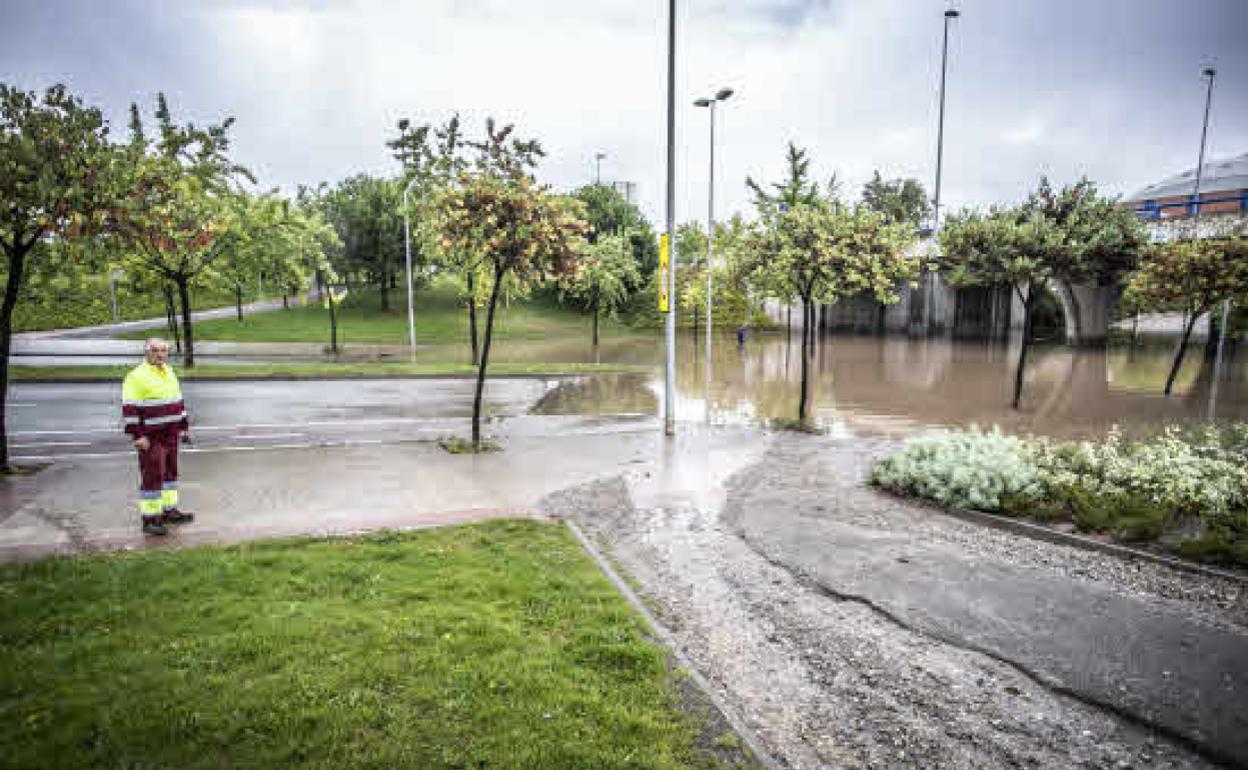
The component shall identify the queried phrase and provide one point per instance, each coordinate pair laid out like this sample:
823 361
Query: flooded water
900 386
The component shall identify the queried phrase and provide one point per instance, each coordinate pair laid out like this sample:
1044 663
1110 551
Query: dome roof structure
1227 175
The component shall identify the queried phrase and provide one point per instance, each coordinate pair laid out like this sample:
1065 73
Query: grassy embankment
63 303
441 320
492 645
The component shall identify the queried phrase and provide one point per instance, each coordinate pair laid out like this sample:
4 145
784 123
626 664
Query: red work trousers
158 464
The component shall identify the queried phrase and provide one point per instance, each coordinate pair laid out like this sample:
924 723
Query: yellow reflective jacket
151 401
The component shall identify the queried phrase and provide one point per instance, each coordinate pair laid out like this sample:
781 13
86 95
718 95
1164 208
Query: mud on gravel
830 682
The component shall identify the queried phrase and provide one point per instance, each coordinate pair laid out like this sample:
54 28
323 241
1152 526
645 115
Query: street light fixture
598 156
722 95
407 248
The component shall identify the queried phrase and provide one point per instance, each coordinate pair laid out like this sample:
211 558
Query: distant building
1223 190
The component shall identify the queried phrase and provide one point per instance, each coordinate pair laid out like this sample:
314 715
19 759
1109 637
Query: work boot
153 526
174 516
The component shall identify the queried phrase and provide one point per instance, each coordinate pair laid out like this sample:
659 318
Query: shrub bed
1185 490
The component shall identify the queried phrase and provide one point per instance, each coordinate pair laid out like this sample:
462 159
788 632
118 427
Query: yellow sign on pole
664 267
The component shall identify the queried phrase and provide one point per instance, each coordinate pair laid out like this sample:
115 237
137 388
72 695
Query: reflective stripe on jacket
151 401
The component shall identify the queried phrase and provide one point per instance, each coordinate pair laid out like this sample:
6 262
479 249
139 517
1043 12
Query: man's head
156 350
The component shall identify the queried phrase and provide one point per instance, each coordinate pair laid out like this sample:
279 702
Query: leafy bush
967 469
1133 490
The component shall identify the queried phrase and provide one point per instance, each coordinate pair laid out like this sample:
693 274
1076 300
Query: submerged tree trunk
188 347
788 322
807 339
1178 354
11 287
171 316
485 361
472 316
1028 305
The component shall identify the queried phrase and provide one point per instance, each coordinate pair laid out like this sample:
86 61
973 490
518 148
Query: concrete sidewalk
85 505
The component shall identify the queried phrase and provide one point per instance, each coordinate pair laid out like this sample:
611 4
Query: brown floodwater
901 386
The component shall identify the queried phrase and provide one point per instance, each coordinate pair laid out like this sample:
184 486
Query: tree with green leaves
1074 236
604 275
1195 275
366 211
796 189
55 176
822 252
518 228
174 219
901 201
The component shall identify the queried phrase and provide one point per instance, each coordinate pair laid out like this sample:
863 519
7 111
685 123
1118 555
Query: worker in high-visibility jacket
154 418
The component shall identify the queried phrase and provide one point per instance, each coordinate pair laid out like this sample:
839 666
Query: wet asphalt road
54 421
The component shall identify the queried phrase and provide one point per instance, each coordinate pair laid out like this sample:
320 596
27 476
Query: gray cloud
1108 89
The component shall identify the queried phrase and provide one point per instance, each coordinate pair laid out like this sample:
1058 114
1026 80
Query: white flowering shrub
1185 473
967 469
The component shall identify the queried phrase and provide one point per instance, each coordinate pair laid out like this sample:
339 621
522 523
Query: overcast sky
1110 89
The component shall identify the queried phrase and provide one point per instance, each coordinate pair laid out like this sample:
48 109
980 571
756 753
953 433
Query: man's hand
141 443
186 439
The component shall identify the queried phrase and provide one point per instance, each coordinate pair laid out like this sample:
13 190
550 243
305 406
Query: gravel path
833 682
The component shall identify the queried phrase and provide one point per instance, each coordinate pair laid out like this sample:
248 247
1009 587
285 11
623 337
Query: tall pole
710 251
940 126
1209 73
669 378
598 156
407 247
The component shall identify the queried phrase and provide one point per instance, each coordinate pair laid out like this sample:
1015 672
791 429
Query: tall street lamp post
940 126
721 96
598 156
407 248
669 374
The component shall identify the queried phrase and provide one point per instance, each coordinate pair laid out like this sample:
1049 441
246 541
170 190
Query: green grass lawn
440 320
497 645
319 371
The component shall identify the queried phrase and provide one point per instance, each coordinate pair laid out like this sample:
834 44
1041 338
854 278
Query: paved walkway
1158 662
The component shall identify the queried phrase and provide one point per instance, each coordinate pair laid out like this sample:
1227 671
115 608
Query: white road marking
258 425
267 435
50 443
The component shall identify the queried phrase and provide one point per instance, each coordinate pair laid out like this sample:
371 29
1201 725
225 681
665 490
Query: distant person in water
741 335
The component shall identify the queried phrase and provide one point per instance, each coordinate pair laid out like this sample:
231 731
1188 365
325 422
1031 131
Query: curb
669 641
1039 532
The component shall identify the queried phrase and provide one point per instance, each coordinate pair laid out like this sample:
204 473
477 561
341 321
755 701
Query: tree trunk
812 316
788 323
188 346
1028 305
17 261
807 337
171 315
384 285
485 361
285 301
333 321
238 300
1178 354
595 325
472 316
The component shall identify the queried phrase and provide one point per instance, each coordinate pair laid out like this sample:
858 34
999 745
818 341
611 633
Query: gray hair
147 345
